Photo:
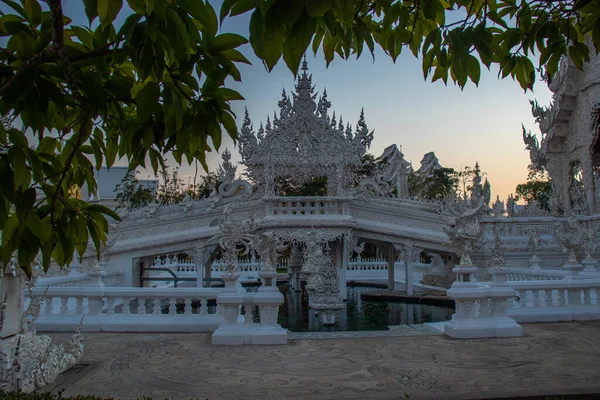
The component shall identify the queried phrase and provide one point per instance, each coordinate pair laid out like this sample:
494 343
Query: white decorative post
229 301
268 297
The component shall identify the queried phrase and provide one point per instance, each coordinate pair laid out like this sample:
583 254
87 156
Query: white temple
500 266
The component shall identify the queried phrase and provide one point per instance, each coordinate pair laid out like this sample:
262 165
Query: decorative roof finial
304 67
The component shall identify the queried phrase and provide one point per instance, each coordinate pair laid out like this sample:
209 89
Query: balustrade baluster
64 306
156 307
574 297
110 305
126 307
79 305
543 298
587 296
529 298
560 297
172 306
204 306
188 306
94 304
141 306
49 306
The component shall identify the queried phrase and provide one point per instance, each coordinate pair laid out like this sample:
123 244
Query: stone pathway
551 359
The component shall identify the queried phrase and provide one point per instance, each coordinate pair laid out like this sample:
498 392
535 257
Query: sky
478 124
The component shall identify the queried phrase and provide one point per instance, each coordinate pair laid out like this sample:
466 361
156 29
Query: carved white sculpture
229 186
462 227
392 178
569 132
571 236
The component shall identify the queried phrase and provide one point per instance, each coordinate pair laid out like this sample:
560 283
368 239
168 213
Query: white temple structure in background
503 267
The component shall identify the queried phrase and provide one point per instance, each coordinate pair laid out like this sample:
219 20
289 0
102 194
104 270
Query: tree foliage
436 186
453 38
156 84
537 190
131 194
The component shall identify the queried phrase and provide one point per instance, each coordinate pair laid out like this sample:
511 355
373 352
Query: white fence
117 309
77 279
526 274
560 300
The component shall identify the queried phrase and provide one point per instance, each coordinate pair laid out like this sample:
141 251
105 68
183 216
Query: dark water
359 315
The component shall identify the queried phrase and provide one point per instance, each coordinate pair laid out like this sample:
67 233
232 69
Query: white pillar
408 268
341 262
391 259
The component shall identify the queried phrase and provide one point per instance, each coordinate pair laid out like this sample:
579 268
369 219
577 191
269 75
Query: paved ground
551 359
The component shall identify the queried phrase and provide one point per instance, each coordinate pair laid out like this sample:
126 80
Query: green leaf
228 94
108 10
91 10
10 227
227 41
138 6
34 11
147 100
39 228
473 69
298 41
256 32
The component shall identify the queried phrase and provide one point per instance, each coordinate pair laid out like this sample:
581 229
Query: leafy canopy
157 84
453 38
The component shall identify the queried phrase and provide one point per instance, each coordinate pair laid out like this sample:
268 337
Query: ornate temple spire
304 98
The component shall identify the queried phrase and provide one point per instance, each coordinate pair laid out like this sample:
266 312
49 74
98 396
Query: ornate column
199 254
295 265
409 254
341 262
391 260
588 182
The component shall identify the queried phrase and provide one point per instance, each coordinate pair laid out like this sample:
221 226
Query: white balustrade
117 309
306 206
367 268
112 278
559 300
526 274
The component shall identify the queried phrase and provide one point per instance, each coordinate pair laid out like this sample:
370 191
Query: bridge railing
526 274
559 300
112 278
116 309
307 206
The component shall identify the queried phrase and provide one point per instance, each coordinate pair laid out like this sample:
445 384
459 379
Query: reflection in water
359 315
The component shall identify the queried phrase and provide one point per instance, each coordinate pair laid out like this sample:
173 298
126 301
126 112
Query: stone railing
306 206
117 309
71 280
525 274
112 278
246 267
367 268
563 300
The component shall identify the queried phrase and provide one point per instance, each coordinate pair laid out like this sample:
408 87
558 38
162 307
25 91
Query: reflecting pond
359 315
